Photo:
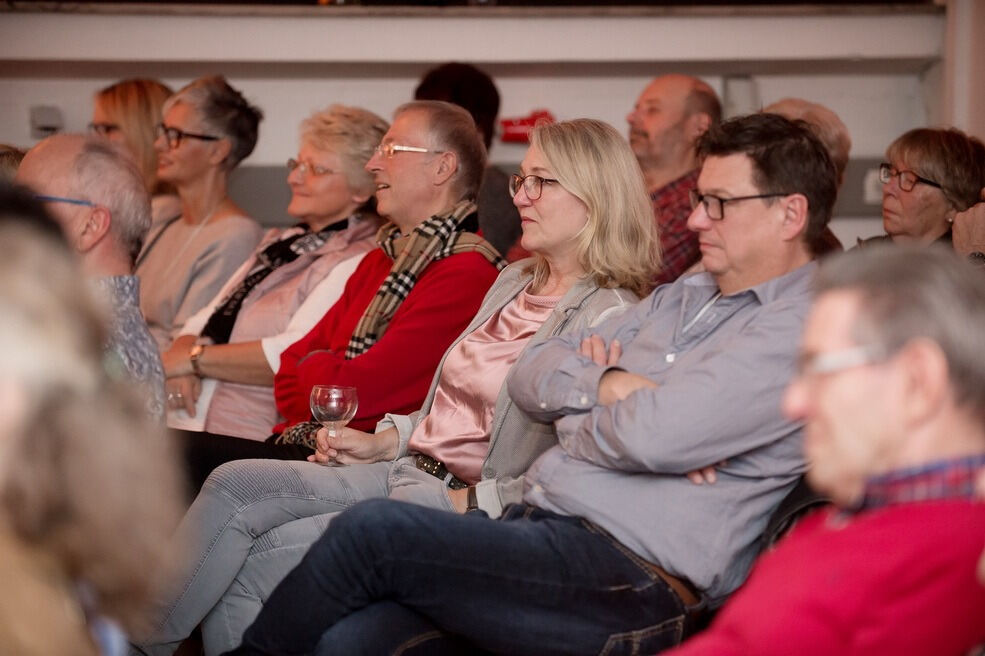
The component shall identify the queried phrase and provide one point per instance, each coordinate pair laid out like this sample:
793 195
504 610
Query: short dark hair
18 206
787 158
909 292
466 86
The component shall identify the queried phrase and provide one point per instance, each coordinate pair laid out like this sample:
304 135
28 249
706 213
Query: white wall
867 67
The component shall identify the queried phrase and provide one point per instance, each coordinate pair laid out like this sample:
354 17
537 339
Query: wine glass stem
334 428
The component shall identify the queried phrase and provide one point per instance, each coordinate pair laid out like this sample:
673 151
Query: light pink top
456 431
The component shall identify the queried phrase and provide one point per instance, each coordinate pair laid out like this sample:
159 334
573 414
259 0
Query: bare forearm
237 363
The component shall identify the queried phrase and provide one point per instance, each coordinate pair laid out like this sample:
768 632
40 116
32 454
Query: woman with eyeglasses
221 367
128 113
588 222
930 175
207 129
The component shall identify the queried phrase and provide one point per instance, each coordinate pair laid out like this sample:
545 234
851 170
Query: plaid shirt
671 207
945 479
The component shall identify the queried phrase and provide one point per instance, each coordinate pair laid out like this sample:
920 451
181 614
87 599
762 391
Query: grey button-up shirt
721 366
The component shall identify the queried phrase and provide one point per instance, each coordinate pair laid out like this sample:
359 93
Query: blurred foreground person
891 386
87 486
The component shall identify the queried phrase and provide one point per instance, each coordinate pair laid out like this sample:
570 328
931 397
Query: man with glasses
613 548
672 112
98 197
891 387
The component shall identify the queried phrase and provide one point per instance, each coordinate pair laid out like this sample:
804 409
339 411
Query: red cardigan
899 580
395 373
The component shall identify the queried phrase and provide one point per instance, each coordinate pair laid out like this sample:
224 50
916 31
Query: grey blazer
515 439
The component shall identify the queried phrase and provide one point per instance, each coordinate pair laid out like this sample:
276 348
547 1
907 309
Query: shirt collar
943 479
767 291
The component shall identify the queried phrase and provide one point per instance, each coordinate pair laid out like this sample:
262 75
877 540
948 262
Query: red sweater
899 580
395 373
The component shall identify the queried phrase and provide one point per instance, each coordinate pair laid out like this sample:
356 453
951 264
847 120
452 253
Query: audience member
97 196
834 135
221 367
208 129
612 548
930 176
405 302
587 220
474 90
87 486
10 159
128 113
892 389
664 126
968 232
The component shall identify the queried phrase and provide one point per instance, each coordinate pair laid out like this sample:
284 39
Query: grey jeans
249 526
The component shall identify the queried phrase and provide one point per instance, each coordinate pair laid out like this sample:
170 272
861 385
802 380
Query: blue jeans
391 575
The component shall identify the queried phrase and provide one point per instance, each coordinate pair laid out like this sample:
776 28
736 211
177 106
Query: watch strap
194 355
471 499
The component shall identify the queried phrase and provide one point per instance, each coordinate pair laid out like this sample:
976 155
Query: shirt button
670 357
543 404
584 400
537 489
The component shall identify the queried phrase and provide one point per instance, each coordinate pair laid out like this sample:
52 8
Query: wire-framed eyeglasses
308 168
388 150
533 185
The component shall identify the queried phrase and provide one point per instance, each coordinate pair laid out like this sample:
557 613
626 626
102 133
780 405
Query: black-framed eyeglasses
174 135
715 205
906 179
103 129
62 199
533 185
307 168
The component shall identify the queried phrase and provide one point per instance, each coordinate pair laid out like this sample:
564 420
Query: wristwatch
194 355
471 500
977 257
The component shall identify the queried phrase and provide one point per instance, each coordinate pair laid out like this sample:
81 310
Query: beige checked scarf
438 237
434 239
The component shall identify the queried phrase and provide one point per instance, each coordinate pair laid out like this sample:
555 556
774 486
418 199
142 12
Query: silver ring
170 396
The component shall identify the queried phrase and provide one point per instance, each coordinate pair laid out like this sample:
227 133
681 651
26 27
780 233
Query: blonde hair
619 244
135 106
353 134
85 478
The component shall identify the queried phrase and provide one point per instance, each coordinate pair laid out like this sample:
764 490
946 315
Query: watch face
978 257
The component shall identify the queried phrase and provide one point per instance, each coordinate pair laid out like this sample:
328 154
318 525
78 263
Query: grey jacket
515 439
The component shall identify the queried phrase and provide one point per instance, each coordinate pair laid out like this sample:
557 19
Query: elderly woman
221 368
128 113
930 176
80 466
208 129
587 220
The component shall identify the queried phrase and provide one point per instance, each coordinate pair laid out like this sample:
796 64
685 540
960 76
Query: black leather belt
437 469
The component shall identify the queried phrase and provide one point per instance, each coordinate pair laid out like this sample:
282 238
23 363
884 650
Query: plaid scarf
436 238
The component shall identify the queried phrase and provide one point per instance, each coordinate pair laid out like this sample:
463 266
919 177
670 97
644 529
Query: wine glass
333 406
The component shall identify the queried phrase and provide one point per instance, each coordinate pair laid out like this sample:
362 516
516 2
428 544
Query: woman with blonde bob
127 113
587 221
89 490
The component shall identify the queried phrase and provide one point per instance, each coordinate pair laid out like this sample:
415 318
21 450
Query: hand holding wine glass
333 406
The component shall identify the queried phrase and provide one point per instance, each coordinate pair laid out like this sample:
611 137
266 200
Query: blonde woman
88 489
207 130
127 113
587 220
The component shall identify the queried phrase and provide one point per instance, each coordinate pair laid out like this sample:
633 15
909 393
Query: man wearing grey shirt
613 548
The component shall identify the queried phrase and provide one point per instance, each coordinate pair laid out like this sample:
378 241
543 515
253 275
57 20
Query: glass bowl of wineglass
333 406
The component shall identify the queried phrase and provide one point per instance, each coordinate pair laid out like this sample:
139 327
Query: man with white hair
98 197
891 386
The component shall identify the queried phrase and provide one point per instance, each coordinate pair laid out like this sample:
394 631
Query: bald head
672 112
89 175
823 122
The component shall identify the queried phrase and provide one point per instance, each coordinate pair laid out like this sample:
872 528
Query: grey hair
352 133
224 110
104 174
453 129
911 292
